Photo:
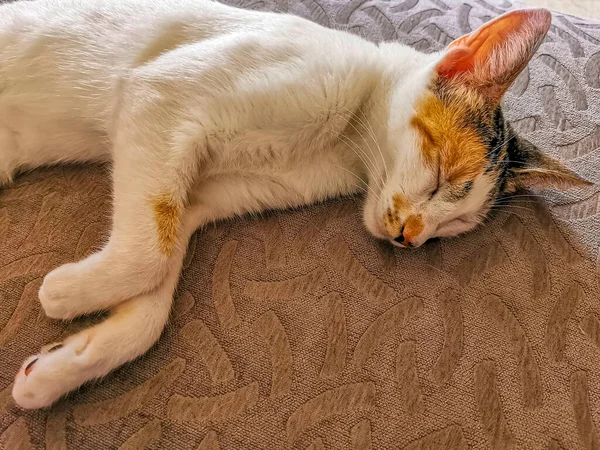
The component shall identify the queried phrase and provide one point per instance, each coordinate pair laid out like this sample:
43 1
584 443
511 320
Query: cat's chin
397 244
375 229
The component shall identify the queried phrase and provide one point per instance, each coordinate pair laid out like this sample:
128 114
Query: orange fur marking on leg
167 215
413 227
449 136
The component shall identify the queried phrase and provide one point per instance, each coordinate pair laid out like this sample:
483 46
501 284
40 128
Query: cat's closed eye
434 191
438 184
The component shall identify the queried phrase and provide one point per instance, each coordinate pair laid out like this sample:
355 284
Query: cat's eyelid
438 184
465 185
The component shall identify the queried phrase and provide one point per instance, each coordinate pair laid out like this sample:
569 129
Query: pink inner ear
455 62
475 49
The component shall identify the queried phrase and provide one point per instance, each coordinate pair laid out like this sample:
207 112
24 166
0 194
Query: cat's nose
400 237
410 231
402 240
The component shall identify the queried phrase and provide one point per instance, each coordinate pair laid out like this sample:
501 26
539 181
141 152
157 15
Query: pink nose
410 230
404 242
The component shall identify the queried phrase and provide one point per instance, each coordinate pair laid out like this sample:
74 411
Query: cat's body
249 84
206 112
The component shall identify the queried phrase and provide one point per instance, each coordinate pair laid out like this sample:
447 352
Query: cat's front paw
47 376
7 166
60 295
5 178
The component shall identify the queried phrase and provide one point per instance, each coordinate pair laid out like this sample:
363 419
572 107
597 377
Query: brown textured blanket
297 330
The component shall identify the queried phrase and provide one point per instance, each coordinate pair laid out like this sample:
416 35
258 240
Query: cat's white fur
224 112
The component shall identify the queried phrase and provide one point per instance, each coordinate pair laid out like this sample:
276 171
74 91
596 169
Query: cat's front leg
130 330
149 203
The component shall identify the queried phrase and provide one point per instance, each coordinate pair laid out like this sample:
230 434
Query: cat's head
455 155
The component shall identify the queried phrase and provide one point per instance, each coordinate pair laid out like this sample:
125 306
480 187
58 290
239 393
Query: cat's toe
53 305
28 389
7 169
6 178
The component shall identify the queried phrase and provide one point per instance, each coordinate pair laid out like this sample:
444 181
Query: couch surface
297 330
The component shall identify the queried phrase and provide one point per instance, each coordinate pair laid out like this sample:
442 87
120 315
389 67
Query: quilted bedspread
297 330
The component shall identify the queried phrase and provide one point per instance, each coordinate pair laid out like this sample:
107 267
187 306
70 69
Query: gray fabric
335 341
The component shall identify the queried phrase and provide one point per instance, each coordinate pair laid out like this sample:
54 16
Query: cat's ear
530 168
490 58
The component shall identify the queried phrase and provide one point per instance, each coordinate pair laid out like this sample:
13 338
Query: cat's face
456 155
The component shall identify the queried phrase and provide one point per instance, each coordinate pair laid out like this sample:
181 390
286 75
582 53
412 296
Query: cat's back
66 57
79 50
63 63
82 46
105 34
120 28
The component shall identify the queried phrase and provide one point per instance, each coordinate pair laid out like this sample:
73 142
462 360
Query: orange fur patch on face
400 202
391 218
413 227
449 138
391 222
167 214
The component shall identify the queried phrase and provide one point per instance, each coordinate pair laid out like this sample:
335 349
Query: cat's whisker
383 162
524 200
355 147
520 195
521 162
506 141
349 116
443 272
365 123
505 207
372 160
359 179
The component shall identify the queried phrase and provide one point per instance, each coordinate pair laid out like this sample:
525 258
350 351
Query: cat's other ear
490 58
530 168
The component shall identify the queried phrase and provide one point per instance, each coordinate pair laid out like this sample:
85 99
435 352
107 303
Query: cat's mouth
446 229
411 243
403 240
395 243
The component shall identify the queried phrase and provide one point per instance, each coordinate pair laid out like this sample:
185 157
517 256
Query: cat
207 112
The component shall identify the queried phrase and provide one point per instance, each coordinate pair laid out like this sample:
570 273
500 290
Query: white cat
207 112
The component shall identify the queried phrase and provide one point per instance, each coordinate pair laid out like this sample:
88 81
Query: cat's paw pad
59 294
58 369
